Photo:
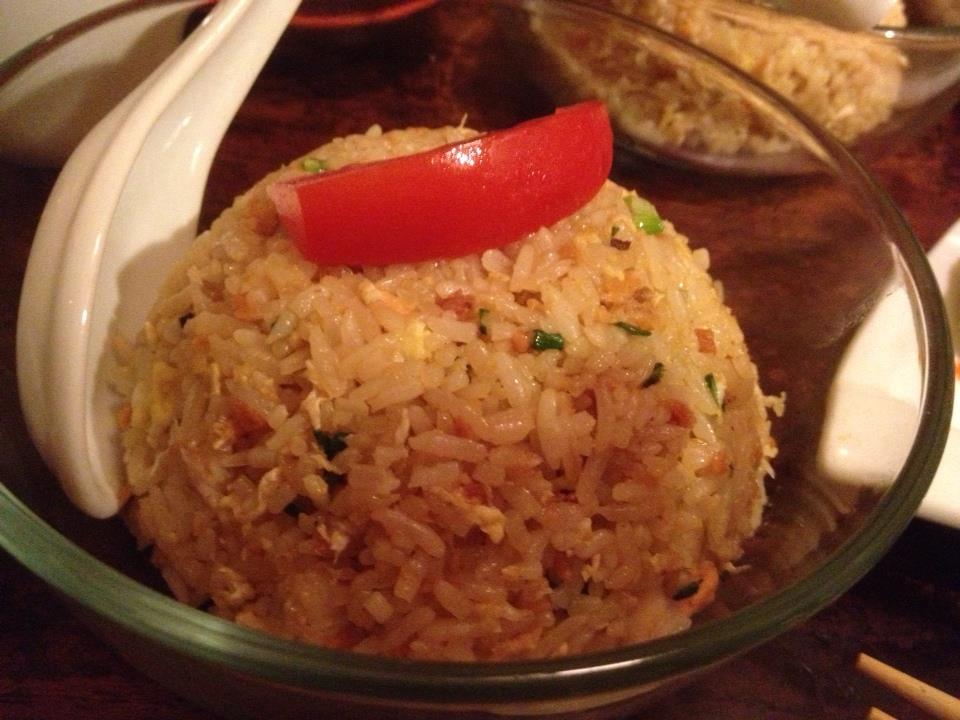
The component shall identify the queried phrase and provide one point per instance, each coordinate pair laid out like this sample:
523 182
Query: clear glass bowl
803 260
869 89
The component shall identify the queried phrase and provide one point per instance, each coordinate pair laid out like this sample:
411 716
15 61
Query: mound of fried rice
388 460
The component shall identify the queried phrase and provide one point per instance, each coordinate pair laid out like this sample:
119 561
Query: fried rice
549 448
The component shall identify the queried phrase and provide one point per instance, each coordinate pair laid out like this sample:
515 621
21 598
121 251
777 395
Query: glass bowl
868 88
803 260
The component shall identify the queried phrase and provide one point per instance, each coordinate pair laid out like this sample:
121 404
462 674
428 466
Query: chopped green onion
313 164
331 443
711 382
542 340
481 317
654 377
614 230
644 214
633 329
685 591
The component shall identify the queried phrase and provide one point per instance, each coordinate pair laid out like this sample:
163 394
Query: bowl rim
124 603
22 59
927 37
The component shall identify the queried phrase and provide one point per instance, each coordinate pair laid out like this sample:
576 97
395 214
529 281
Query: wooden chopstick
878 714
934 701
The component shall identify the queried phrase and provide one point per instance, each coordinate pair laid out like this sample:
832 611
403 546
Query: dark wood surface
905 612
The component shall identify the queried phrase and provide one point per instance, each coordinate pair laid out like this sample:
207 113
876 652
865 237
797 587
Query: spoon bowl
138 176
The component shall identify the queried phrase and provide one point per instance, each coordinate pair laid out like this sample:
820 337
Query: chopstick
878 714
934 701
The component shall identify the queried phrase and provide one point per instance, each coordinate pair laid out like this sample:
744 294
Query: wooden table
905 612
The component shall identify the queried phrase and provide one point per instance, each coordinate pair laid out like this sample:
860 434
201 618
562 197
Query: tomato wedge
457 199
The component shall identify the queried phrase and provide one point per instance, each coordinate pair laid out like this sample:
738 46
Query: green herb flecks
633 329
313 164
644 214
686 591
654 377
542 340
710 381
331 443
481 320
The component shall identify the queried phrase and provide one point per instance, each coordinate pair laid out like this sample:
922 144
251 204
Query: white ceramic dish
71 76
881 370
23 22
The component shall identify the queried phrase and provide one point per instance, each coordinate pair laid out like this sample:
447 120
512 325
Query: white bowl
72 76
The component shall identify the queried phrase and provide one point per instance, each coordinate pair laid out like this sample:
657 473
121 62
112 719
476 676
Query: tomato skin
454 200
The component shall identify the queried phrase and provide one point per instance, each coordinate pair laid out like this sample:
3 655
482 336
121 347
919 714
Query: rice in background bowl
848 82
401 460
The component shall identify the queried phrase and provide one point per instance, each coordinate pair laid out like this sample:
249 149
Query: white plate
882 370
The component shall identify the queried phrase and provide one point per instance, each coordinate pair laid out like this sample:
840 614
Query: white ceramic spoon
131 189
877 385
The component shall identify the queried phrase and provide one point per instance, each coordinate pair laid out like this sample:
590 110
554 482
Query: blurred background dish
867 88
71 76
71 63
870 370
23 23
802 261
